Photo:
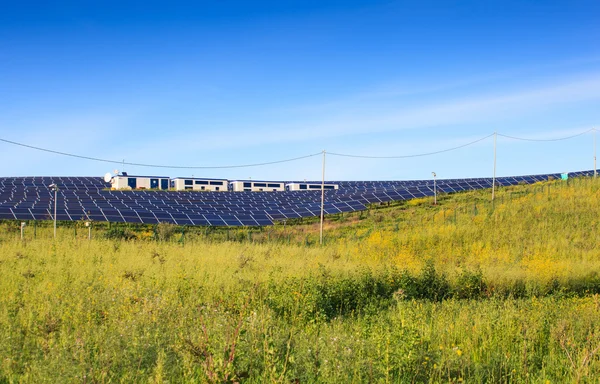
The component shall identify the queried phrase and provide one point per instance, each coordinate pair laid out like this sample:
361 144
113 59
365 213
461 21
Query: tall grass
462 291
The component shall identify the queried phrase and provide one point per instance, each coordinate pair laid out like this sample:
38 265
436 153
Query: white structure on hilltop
125 181
257 186
200 184
309 186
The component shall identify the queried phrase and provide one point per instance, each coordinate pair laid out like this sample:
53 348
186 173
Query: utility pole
595 153
322 199
494 176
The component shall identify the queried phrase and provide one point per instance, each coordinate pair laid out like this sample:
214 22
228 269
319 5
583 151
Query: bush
164 231
326 296
118 233
431 285
470 285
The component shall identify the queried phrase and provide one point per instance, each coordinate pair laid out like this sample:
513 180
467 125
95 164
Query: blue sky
227 83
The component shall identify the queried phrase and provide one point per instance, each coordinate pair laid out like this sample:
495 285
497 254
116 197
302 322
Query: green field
465 291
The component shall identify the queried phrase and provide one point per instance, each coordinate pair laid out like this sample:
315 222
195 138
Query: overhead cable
557 139
287 160
413 155
158 165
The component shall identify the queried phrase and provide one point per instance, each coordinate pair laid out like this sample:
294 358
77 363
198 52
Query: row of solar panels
191 216
85 199
95 183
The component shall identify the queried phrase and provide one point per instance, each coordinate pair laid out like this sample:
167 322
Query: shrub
469 285
432 285
118 233
164 231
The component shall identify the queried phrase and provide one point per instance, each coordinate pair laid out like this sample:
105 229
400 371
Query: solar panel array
88 198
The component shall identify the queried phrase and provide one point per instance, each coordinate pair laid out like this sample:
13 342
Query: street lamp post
494 176
434 189
54 188
595 172
322 200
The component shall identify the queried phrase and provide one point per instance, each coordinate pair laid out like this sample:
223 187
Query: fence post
182 239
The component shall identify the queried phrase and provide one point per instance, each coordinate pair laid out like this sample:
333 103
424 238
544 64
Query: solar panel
214 220
247 221
275 215
149 220
86 197
114 218
7 215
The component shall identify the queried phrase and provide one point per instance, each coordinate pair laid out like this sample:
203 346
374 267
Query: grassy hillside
463 291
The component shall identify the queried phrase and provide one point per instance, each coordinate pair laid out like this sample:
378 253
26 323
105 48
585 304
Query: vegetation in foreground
462 291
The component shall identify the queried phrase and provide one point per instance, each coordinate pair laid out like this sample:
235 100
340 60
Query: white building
257 186
309 186
198 184
125 181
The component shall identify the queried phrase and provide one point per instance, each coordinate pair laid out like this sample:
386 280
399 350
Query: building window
187 182
202 182
263 185
216 183
247 185
132 182
274 185
303 186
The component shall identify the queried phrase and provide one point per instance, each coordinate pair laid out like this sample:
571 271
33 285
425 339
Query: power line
557 139
414 155
158 165
286 160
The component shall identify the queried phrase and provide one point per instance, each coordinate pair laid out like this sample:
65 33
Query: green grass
462 291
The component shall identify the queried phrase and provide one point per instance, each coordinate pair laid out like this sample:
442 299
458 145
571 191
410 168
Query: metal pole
494 176
322 200
55 201
595 153
434 189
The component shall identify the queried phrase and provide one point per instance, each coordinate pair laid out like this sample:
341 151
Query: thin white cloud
484 109
92 134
